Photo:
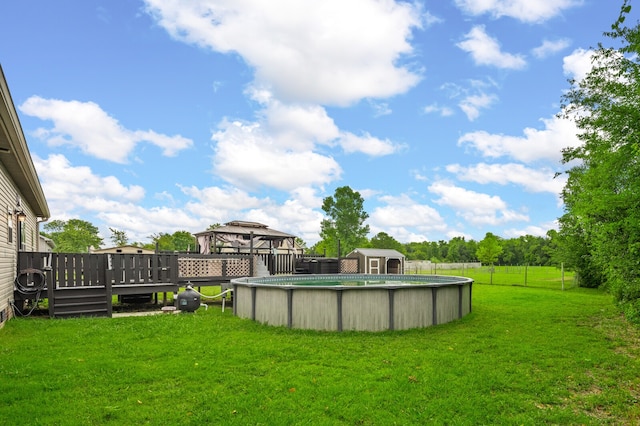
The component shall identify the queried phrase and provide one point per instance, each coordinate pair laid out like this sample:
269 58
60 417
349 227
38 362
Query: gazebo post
251 253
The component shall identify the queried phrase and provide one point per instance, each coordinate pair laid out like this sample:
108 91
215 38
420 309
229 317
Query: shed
127 249
378 261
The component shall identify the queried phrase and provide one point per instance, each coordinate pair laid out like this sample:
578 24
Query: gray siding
8 249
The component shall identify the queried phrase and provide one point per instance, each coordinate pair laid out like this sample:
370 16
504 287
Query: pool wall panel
412 308
242 301
447 305
271 306
366 310
315 309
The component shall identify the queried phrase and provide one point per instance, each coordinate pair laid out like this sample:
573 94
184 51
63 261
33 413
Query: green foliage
601 195
72 236
344 222
382 240
118 238
183 241
489 249
178 241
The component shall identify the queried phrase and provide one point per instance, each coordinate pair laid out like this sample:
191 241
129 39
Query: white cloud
86 126
76 191
298 127
380 108
68 187
578 64
536 231
405 219
549 47
471 105
475 208
532 180
545 144
297 215
437 109
368 144
247 157
329 52
533 11
485 50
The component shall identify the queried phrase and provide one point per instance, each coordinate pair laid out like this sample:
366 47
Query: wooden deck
84 284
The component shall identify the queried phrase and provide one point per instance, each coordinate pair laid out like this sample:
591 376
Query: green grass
531 276
524 356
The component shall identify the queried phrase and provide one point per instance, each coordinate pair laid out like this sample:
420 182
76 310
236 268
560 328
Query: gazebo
246 237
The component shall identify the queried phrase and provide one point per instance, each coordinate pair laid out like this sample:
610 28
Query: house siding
7 249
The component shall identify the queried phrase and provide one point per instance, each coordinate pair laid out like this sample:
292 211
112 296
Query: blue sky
163 115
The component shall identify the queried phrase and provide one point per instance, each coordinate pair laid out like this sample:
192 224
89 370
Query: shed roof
375 252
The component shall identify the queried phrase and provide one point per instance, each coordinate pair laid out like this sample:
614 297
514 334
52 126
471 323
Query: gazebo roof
239 227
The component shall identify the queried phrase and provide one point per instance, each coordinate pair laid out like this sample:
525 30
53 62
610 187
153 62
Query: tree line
81 236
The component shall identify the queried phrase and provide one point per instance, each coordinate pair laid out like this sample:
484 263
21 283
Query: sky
156 116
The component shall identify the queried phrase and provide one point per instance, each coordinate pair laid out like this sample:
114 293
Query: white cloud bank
535 144
531 11
86 126
327 52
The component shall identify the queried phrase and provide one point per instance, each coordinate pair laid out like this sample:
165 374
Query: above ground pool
352 301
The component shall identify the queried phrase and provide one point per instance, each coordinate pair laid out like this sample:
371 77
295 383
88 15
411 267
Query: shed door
374 266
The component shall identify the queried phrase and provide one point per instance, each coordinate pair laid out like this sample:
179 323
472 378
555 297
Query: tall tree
601 196
73 235
344 222
489 249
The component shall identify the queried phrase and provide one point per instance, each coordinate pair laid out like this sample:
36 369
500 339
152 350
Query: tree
118 238
601 195
178 241
183 241
344 222
383 240
72 236
489 249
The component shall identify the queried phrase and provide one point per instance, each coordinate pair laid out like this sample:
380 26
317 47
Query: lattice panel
238 267
349 266
200 267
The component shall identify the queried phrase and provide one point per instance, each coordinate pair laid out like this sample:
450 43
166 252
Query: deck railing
65 270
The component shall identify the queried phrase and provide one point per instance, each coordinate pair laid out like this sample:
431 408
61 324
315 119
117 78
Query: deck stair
80 301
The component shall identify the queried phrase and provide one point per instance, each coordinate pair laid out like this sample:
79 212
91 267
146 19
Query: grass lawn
532 276
524 356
